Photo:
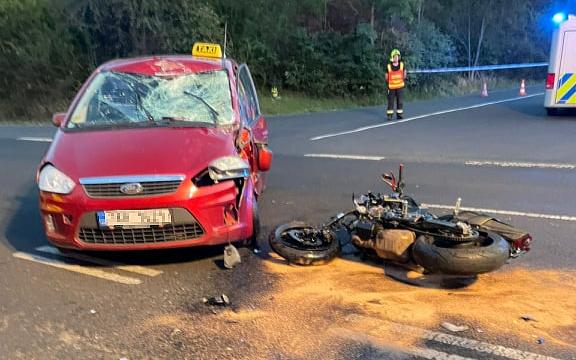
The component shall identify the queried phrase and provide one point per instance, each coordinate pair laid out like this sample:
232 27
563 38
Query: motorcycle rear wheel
302 244
488 253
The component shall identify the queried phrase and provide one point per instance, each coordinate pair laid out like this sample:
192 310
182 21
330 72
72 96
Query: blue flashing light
559 17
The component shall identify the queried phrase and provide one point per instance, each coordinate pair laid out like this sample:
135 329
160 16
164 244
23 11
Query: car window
243 103
251 100
114 98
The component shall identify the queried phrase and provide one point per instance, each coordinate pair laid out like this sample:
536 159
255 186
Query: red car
157 152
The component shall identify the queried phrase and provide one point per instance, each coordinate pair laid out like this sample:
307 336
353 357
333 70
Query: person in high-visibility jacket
395 76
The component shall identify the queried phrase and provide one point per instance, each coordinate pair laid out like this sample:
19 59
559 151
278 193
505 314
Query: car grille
153 234
148 189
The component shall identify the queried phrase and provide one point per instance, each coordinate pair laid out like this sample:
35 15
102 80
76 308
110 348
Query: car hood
149 151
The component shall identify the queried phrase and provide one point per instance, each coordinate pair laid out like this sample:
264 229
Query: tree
37 60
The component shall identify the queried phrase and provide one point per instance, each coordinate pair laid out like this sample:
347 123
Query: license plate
134 218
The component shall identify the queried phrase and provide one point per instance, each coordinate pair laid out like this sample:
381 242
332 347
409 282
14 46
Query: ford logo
132 188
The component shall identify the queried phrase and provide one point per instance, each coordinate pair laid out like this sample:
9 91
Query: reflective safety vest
396 77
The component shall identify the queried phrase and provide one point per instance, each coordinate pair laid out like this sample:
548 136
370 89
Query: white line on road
99 261
389 351
431 354
347 157
78 268
518 164
382 327
325 136
36 139
476 163
505 212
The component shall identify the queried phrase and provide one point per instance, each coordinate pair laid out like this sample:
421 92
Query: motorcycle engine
365 229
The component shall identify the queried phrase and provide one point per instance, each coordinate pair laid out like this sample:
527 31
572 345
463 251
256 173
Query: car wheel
252 241
551 111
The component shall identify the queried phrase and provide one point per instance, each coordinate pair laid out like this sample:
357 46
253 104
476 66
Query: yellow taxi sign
207 50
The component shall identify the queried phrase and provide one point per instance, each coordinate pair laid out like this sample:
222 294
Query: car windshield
124 99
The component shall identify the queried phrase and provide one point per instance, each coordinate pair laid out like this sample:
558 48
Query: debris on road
454 328
92 311
540 341
528 318
222 300
231 256
175 332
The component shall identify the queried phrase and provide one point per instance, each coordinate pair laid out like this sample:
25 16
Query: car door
254 122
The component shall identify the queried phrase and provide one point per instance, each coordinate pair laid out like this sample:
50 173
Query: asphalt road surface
501 154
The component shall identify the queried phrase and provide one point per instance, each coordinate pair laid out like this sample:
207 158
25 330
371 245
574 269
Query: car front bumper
208 215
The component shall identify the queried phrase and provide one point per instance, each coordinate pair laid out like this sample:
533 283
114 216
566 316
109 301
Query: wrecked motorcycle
395 228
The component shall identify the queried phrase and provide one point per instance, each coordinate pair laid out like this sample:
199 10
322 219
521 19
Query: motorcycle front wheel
302 244
487 253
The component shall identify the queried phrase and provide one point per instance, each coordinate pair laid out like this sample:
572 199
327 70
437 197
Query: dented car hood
140 151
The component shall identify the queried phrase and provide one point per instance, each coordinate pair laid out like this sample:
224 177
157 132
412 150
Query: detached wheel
488 253
302 244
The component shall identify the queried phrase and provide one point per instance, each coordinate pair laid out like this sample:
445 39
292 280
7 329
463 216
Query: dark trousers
395 95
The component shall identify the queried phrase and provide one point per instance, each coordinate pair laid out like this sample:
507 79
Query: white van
561 78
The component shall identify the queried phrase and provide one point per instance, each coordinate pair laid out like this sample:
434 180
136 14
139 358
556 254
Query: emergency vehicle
561 78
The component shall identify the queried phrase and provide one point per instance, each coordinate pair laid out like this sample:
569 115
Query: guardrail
477 68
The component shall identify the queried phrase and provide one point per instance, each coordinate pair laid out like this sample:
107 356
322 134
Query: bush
330 63
38 64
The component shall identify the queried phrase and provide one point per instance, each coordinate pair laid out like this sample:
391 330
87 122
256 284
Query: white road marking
476 163
347 157
383 327
365 128
381 345
437 355
78 268
36 139
99 261
519 164
505 212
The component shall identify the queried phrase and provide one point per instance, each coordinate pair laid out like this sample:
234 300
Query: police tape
477 68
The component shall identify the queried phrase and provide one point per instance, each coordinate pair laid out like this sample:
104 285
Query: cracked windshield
116 99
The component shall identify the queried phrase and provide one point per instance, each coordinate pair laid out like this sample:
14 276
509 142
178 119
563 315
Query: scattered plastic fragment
454 328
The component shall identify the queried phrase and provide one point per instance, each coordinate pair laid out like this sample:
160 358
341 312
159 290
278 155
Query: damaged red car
157 152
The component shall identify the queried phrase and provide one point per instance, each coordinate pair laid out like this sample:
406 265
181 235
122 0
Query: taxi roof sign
207 50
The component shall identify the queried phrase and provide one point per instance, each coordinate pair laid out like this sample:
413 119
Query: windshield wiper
185 121
141 107
138 97
213 111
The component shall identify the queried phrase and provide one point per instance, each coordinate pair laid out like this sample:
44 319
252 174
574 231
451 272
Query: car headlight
228 167
53 180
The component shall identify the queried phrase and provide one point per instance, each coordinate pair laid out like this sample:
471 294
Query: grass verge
291 103
296 103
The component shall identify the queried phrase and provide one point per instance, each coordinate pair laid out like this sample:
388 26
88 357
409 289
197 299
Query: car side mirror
58 119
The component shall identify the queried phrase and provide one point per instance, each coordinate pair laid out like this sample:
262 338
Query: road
501 153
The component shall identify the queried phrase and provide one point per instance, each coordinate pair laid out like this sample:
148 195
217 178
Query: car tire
438 256
552 111
252 241
299 255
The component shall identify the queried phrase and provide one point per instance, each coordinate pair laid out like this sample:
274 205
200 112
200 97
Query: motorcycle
396 228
